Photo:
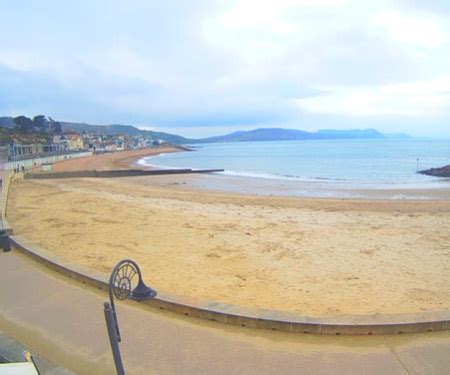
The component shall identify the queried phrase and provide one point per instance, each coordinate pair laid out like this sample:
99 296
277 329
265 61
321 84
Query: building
75 141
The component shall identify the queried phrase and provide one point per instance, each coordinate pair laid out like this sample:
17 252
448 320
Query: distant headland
261 134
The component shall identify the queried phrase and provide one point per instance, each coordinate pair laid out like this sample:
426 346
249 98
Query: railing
33 160
42 155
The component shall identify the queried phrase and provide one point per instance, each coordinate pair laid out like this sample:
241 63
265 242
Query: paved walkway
11 351
62 321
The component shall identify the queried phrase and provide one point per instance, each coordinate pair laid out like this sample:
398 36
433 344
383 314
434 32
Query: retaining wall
252 317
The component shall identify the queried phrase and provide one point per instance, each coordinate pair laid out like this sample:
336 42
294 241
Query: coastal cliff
437 172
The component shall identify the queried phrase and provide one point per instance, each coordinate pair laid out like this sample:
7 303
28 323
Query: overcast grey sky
200 68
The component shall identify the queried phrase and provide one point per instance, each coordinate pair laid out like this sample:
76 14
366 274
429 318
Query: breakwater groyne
114 173
437 172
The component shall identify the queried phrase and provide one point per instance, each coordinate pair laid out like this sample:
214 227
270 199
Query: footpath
63 321
11 351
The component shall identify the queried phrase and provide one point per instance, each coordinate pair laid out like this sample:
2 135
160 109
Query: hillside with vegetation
125 130
25 130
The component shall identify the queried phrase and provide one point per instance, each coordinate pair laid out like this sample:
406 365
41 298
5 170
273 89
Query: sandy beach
313 256
114 160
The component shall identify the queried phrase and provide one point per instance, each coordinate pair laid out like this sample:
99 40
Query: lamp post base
110 324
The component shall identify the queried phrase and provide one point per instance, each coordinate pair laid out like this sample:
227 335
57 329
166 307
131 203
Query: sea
322 164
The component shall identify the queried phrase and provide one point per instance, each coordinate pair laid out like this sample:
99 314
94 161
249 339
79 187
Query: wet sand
439 190
313 256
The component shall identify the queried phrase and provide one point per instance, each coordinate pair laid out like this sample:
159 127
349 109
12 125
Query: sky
202 68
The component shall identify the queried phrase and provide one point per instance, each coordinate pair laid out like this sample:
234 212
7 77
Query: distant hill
124 129
105 129
349 134
263 134
278 134
6 122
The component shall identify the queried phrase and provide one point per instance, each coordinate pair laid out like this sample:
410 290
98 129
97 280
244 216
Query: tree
23 124
56 127
40 124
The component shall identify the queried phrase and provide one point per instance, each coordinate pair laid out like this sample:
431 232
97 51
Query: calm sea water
357 163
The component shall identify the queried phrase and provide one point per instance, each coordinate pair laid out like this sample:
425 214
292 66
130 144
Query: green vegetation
27 131
8 136
39 124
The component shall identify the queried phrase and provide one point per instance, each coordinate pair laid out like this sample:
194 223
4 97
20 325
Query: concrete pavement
11 351
62 321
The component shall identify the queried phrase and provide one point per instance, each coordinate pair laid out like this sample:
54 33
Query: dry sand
317 257
114 160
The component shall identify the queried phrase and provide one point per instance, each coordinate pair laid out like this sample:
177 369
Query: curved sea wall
376 324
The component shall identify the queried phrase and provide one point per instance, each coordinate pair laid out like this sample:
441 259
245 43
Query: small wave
145 162
410 197
318 181
274 176
258 175
332 179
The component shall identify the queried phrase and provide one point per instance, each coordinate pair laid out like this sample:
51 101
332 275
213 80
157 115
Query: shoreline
256 186
252 186
113 160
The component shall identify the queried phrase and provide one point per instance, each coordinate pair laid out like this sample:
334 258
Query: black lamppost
120 286
4 240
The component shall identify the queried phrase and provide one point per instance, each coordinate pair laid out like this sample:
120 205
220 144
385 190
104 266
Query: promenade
63 321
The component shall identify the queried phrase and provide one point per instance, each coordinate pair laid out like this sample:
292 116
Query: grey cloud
79 74
354 58
436 6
